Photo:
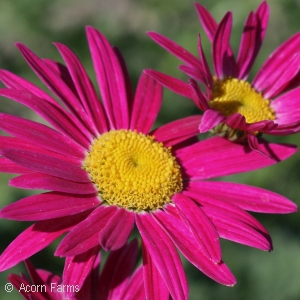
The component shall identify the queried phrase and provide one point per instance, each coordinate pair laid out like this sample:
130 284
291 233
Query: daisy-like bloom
234 107
116 281
104 172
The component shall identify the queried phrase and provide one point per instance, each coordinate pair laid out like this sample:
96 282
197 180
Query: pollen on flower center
132 170
238 96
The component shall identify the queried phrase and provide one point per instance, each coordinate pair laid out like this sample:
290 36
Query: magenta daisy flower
234 107
116 281
105 171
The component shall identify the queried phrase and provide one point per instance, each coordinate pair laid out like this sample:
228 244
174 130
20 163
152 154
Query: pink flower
116 281
106 172
232 106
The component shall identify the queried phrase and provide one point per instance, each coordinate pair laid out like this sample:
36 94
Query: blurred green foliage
38 23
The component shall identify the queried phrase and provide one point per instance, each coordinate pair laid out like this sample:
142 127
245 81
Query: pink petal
209 83
198 96
46 164
223 59
117 230
210 119
254 144
44 232
172 83
47 206
200 226
62 72
7 142
287 107
164 255
110 79
13 81
85 235
45 182
116 272
207 21
195 73
244 196
84 88
238 231
247 48
7 166
52 80
52 113
227 208
135 288
40 135
238 121
40 276
76 270
155 287
187 245
177 131
216 157
146 105
176 50
278 63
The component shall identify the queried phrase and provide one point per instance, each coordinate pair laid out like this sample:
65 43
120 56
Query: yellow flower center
237 96
132 170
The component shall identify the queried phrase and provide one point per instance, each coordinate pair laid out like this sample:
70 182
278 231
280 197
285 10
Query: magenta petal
216 157
198 96
203 61
146 104
210 119
281 61
184 240
176 85
256 146
40 135
85 235
177 131
117 230
110 78
116 272
7 166
247 47
164 255
13 81
55 84
244 196
52 113
44 232
47 206
237 230
84 88
200 226
76 270
224 63
135 288
194 72
155 287
287 107
227 209
207 21
176 50
46 182
46 164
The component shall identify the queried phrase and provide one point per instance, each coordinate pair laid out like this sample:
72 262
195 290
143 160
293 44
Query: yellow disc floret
232 95
132 170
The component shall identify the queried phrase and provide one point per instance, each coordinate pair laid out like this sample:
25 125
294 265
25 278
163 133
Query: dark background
37 23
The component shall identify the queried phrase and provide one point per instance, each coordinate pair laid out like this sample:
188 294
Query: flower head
233 107
106 171
116 281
